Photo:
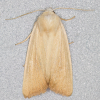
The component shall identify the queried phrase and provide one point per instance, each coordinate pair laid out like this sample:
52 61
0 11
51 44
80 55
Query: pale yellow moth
48 61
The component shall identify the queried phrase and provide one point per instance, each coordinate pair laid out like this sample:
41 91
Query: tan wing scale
34 82
61 68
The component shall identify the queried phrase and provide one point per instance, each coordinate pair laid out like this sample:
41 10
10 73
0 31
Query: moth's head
49 9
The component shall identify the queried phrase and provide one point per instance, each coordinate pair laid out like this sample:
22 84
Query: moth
48 61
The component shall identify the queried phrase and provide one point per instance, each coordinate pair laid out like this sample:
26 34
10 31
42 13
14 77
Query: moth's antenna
24 14
75 9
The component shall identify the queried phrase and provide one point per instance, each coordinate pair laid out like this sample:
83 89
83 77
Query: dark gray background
84 30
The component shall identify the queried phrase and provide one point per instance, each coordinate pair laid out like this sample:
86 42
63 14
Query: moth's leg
24 40
71 42
67 19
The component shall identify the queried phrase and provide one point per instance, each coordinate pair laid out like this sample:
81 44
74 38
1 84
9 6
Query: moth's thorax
48 21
